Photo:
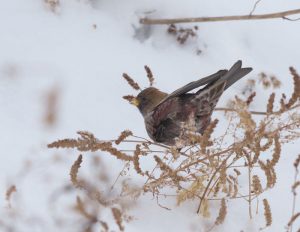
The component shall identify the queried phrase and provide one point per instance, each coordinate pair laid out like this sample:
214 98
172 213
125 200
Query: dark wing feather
234 74
195 84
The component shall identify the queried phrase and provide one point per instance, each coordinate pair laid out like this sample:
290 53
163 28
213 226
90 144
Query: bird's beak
135 102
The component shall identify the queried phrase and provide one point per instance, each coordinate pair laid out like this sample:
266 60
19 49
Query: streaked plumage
164 114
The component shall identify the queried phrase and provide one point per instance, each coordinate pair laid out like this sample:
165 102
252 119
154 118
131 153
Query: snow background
40 49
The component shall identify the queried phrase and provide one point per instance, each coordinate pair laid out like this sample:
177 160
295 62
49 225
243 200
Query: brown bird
166 115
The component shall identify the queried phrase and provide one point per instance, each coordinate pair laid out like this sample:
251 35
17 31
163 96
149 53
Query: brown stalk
210 181
83 211
295 185
249 193
282 15
293 218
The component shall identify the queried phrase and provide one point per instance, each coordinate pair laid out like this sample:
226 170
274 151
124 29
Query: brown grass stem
282 15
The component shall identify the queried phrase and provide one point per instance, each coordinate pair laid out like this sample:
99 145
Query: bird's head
148 99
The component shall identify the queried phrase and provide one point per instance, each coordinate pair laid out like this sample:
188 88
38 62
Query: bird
166 115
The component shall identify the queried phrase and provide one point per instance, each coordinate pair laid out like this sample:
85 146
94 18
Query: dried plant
208 168
12 189
281 15
118 217
269 80
95 201
74 171
51 103
182 34
222 213
296 184
123 135
135 85
249 87
52 4
129 98
81 208
267 212
149 75
131 82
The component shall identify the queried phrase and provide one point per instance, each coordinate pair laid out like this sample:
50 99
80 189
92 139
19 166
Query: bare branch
281 15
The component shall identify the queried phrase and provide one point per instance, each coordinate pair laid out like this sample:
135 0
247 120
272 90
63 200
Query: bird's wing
160 123
234 74
195 84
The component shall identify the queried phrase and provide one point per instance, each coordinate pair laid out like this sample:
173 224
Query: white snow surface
41 49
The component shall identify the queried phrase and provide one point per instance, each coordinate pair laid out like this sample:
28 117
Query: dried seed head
256 185
270 104
129 98
267 212
118 218
131 82
74 171
296 93
250 98
124 134
136 159
149 75
222 213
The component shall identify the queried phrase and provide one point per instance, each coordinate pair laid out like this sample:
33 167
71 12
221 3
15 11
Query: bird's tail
208 97
235 73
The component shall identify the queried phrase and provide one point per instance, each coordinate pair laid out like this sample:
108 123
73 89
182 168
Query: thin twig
254 7
120 173
256 112
249 188
210 181
281 15
294 199
293 20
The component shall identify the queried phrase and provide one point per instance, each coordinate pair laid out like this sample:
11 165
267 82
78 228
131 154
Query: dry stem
282 15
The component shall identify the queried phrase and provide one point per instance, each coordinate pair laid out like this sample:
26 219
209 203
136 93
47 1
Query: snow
83 49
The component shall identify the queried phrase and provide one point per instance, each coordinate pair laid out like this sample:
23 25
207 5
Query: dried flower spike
222 213
149 75
131 82
296 93
118 217
136 159
124 134
129 98
250 98
267 212
12 189
74 170
270 104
